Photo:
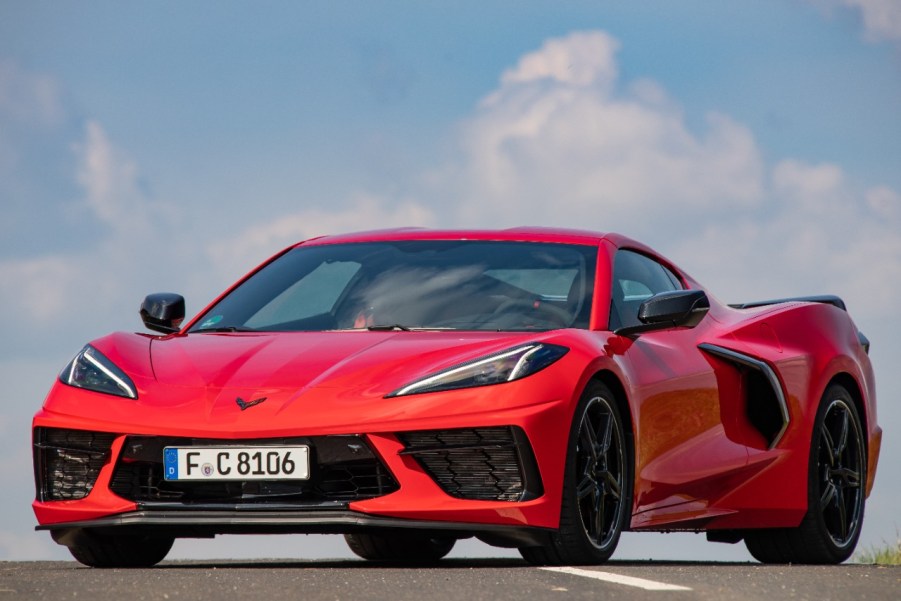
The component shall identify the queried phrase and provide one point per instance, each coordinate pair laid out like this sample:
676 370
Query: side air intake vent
767 408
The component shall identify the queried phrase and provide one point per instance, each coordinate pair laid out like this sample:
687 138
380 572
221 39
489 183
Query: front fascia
541 404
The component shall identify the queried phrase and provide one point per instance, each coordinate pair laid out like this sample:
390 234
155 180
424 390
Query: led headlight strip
505 366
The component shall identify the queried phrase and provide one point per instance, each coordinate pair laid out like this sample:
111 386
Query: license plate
236 463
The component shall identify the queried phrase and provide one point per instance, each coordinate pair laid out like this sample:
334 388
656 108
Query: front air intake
67 462
343 469
486 464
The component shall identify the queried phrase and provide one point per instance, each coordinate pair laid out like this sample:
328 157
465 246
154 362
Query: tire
400 547
597 486
119 551
836 479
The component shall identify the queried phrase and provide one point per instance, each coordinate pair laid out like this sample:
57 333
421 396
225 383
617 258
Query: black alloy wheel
400 546
841 466
117 550
836 492
597 486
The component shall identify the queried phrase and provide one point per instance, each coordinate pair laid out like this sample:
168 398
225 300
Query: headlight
92 371
497 368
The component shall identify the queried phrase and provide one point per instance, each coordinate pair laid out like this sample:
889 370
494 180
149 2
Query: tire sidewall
839 552
578 537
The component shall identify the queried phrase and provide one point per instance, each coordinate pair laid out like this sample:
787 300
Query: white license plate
236 463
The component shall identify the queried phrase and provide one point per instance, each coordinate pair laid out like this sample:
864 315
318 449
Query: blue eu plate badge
170 461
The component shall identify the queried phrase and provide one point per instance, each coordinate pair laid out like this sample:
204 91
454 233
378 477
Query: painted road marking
648 585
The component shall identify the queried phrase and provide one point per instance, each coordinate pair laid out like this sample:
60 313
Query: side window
636 278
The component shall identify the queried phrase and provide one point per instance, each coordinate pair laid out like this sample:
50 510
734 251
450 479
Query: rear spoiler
827 299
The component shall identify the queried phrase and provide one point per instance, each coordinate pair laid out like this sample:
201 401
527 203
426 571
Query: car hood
369 363
302 382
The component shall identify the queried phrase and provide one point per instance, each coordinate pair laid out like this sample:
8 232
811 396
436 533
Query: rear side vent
767 408
487 464
67 462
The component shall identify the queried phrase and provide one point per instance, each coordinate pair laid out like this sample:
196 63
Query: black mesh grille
342 469
478 463
68 462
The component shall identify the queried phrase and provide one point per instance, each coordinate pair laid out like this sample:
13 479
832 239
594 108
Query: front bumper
466 480
206 524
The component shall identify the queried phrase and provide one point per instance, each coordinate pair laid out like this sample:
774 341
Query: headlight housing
91 370
505 366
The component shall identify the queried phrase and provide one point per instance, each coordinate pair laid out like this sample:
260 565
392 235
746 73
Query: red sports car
535 388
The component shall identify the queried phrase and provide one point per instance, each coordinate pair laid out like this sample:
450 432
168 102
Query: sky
172 146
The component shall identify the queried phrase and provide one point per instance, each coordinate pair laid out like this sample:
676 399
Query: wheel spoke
613 485
849 478
828 444
842 513
590 439
828 495
607 435
842 437
586 487
598 526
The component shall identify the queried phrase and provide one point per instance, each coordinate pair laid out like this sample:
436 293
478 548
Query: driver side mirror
163 312
673 309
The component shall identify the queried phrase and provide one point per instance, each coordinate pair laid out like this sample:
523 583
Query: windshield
454 285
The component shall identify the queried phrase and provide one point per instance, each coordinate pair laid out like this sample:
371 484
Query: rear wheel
837 475
118 550
597 486
400 547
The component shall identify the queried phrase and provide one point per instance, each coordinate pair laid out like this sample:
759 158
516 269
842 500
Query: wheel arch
871 439
849 383
621 398
612 381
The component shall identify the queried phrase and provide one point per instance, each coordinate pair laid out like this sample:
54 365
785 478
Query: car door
684 460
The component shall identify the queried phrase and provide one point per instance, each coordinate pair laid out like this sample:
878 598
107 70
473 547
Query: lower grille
342 469
488 464
67 462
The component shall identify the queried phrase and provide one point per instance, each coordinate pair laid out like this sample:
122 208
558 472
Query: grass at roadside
886 555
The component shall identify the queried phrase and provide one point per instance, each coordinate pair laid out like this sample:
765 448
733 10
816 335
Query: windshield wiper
388 328
225 329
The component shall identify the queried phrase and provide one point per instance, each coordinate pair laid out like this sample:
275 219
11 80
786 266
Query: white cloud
35 289
28 97
562 140
109 180
881 18
252 245
25 99
580 59
819 235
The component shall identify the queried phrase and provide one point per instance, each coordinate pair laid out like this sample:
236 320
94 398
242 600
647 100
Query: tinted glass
466 285
636 278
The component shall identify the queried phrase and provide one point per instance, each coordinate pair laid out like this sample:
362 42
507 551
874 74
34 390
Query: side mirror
674 309
163 312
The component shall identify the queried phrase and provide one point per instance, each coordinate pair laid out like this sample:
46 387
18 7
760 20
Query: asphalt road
474 579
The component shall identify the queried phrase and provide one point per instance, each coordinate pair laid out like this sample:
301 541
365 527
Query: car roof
517 234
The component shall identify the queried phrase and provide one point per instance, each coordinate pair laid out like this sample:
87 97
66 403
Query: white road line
648 585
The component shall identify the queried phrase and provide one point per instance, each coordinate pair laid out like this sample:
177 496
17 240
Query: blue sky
172 146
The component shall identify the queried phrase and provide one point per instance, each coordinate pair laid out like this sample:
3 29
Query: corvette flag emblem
247 404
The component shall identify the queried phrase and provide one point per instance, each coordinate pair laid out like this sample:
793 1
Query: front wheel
117 550
400 547
837 476
597 486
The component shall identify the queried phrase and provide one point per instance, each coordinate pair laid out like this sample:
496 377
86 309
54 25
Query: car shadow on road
449 564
